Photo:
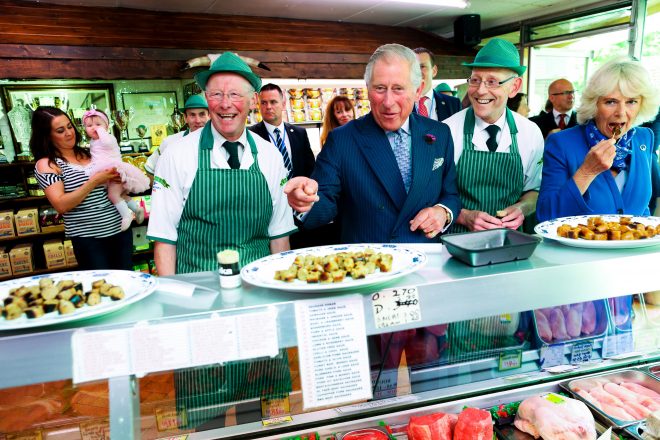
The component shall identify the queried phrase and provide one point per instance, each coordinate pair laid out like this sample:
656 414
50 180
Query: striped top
95 216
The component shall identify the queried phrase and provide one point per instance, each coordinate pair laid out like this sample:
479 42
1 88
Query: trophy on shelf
142 132
78 123
122 118
177 120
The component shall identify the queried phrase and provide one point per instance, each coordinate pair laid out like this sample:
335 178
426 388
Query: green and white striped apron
226 209
488 181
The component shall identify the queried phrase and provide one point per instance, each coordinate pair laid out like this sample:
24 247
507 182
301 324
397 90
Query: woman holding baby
91 220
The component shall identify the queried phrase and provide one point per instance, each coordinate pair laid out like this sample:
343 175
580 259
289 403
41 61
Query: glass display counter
487 337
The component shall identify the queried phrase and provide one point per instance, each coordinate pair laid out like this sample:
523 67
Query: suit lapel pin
437 163
642 147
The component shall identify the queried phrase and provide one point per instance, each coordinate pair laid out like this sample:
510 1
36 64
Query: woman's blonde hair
631 78
330 121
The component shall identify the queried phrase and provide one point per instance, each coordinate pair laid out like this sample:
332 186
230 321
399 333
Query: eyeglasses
565 93
219 96
489 83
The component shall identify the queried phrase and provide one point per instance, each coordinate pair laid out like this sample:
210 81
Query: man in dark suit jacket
390 175
437 105
296 141
299 157
561 95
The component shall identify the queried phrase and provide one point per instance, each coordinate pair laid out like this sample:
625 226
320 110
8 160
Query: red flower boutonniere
429 138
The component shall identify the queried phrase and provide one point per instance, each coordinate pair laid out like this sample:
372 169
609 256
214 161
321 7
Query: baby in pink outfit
105 154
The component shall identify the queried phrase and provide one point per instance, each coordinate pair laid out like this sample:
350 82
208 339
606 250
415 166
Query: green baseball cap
444 87
498 53
228 62
195 101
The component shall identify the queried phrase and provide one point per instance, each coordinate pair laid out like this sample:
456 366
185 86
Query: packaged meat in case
552 417
622 398
376 433
570 322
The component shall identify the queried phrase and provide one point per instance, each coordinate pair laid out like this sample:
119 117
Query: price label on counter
581 352
552 355
510 360
396 306
615 345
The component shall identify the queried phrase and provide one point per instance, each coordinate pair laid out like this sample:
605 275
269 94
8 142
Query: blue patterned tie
402 156
279 142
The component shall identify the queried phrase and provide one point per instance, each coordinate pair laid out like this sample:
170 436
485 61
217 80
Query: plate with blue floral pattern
135 286
405 260
548 229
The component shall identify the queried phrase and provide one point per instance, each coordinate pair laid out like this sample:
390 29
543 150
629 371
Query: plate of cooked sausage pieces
602 231
43 300
333 268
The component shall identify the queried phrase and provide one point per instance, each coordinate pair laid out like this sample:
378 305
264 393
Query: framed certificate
149 109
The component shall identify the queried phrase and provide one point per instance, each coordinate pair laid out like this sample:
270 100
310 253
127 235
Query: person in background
497 152
445 89
561 94
433 104
220 187
195 114
291 141
90 219
340 111
293 144
605 164
518 104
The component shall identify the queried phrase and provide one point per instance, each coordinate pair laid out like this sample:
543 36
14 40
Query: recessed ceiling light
462 4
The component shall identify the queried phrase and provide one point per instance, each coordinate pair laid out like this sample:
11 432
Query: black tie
491 143
232 149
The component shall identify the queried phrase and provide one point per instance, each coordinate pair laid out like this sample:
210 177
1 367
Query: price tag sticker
581 352
615 345
510 360
552 355
396 306
167 419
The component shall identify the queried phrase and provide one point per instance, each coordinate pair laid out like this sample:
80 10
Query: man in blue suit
433 104
390 175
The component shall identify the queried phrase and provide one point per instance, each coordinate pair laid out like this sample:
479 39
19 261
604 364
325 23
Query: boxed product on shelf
50 220
5 264
69 255
141 266
140 241
54 253
7 224
27 221
21 259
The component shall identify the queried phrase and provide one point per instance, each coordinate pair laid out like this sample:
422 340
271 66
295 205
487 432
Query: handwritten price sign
396 306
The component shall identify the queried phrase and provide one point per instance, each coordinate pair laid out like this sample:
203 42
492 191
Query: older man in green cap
219 188
497 152
195 114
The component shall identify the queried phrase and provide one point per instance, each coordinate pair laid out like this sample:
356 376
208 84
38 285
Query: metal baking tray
376 430
655 370
599 332
635 376
489 247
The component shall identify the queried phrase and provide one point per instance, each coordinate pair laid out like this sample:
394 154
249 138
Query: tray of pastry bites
623 398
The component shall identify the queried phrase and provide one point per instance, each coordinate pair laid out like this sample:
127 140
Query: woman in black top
90 220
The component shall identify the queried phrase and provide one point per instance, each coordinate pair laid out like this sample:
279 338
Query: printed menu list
332 348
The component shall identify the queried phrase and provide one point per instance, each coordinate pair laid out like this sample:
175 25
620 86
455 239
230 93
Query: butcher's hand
478 220
512 217
430 220
301 193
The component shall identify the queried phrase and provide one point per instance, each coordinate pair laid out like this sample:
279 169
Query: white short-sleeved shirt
530 143
176 172
150 164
